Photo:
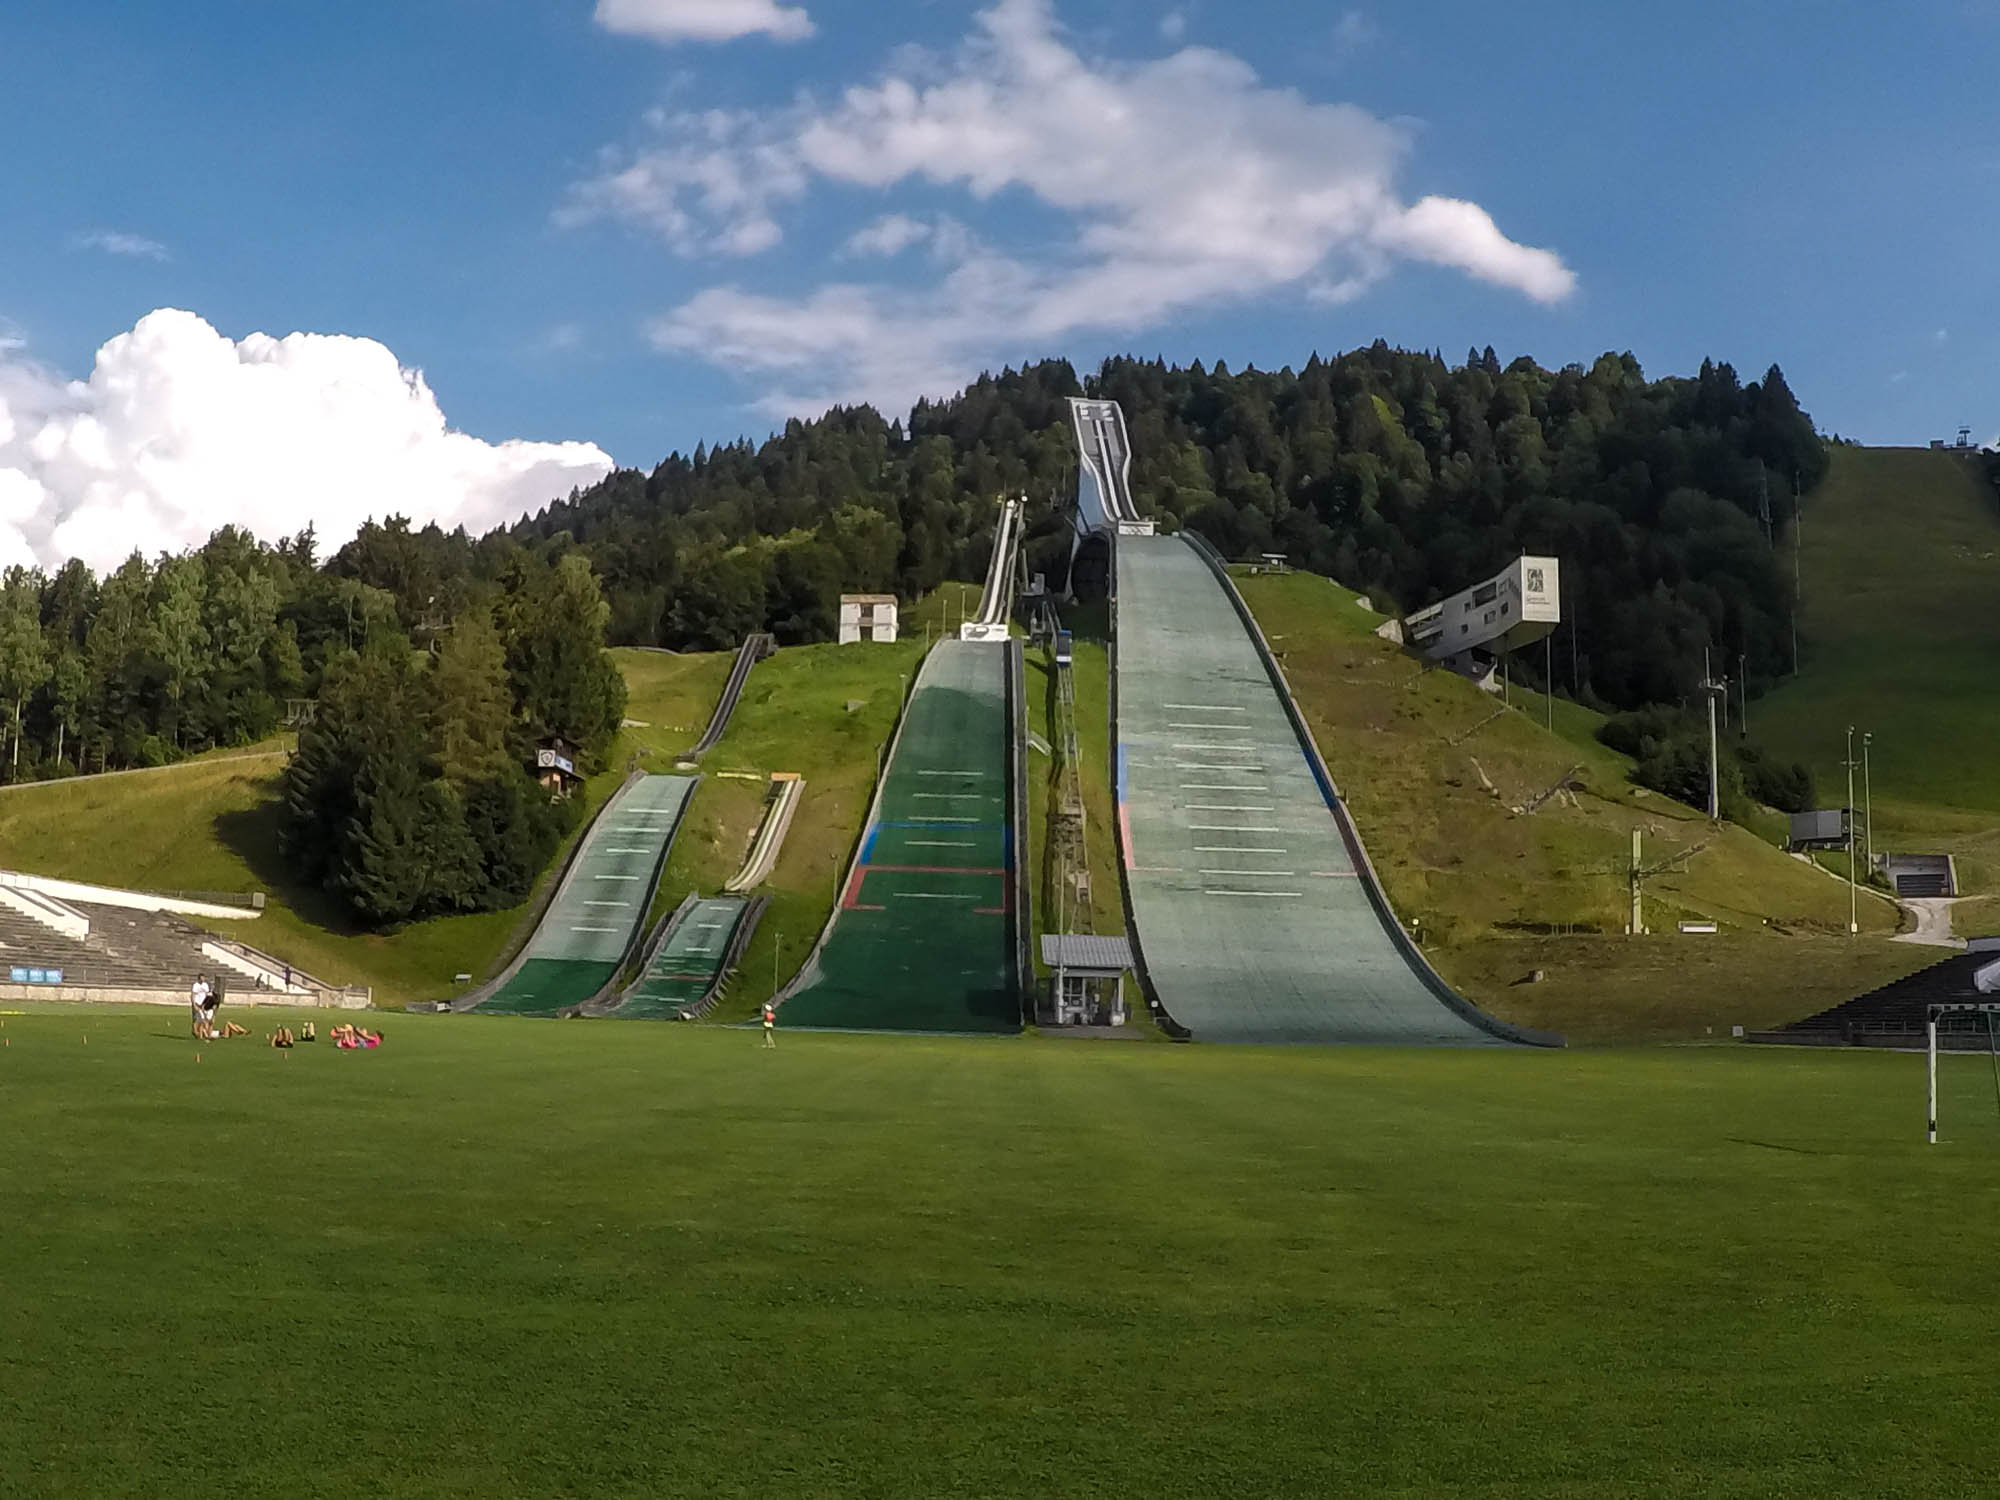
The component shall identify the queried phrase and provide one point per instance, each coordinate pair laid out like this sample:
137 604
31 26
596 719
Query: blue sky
616 223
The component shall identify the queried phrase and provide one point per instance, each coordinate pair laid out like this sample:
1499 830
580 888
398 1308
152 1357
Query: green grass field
502 1258
1433 770
1900 564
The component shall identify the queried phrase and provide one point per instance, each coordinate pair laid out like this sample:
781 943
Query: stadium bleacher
1893 1014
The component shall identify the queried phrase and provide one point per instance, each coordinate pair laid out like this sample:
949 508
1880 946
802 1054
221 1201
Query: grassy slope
212 825
1900 560
498 1258
1486 885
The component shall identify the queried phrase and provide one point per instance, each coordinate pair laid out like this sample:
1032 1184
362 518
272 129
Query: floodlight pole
1853 922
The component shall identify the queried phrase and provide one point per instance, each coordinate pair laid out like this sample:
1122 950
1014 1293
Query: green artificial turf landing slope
920 938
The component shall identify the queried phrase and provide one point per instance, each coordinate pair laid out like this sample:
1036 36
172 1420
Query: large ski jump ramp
1254 921
923 937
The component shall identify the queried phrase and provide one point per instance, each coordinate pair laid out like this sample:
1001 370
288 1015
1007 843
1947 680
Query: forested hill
1389 470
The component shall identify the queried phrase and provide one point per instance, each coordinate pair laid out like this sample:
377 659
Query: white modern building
867 617
1472 629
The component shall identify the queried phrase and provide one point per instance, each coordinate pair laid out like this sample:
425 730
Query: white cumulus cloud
1180 183
704 20
179 430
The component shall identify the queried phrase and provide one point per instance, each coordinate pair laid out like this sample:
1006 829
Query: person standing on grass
198 1006
770 1024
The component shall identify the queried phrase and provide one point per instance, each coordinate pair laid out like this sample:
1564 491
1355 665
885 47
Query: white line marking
614 877
951 773
925 818
708 925
935 895
1191 807
609 850
1208 708
942 844
1249 872
1239 745
607 903
593 929
1280 894
1234 828
1196 765
1235 849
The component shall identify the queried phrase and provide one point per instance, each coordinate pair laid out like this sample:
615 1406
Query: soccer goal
1958 1026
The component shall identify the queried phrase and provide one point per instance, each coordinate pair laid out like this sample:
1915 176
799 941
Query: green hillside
211 824
1433 769
1900 634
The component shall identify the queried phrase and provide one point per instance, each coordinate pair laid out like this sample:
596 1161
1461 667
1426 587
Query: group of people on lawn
205 1000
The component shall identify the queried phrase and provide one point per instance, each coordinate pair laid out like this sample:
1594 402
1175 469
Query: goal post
1930 1074
1977 1021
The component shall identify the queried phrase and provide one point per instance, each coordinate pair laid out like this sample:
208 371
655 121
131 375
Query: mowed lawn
504 1257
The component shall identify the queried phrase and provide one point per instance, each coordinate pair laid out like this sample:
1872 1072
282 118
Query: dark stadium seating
1894 1014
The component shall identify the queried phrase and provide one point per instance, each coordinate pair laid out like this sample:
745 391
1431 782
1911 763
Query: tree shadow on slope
251 834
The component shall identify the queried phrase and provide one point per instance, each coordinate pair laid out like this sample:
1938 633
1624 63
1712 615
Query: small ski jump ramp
689 962
1256 916
923 936
599 908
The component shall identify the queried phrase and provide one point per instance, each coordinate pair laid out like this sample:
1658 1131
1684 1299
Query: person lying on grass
282 1037
230 1028
348 1037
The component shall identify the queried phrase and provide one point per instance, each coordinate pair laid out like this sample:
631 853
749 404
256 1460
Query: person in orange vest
770 1024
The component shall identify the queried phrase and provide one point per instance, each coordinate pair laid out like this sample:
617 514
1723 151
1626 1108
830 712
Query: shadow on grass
251 834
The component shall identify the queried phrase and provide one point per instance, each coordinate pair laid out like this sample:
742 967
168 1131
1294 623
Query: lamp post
1710 690
1867 803
1853 919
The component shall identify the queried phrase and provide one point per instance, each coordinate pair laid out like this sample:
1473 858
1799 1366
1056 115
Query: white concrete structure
867 617
1517 606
